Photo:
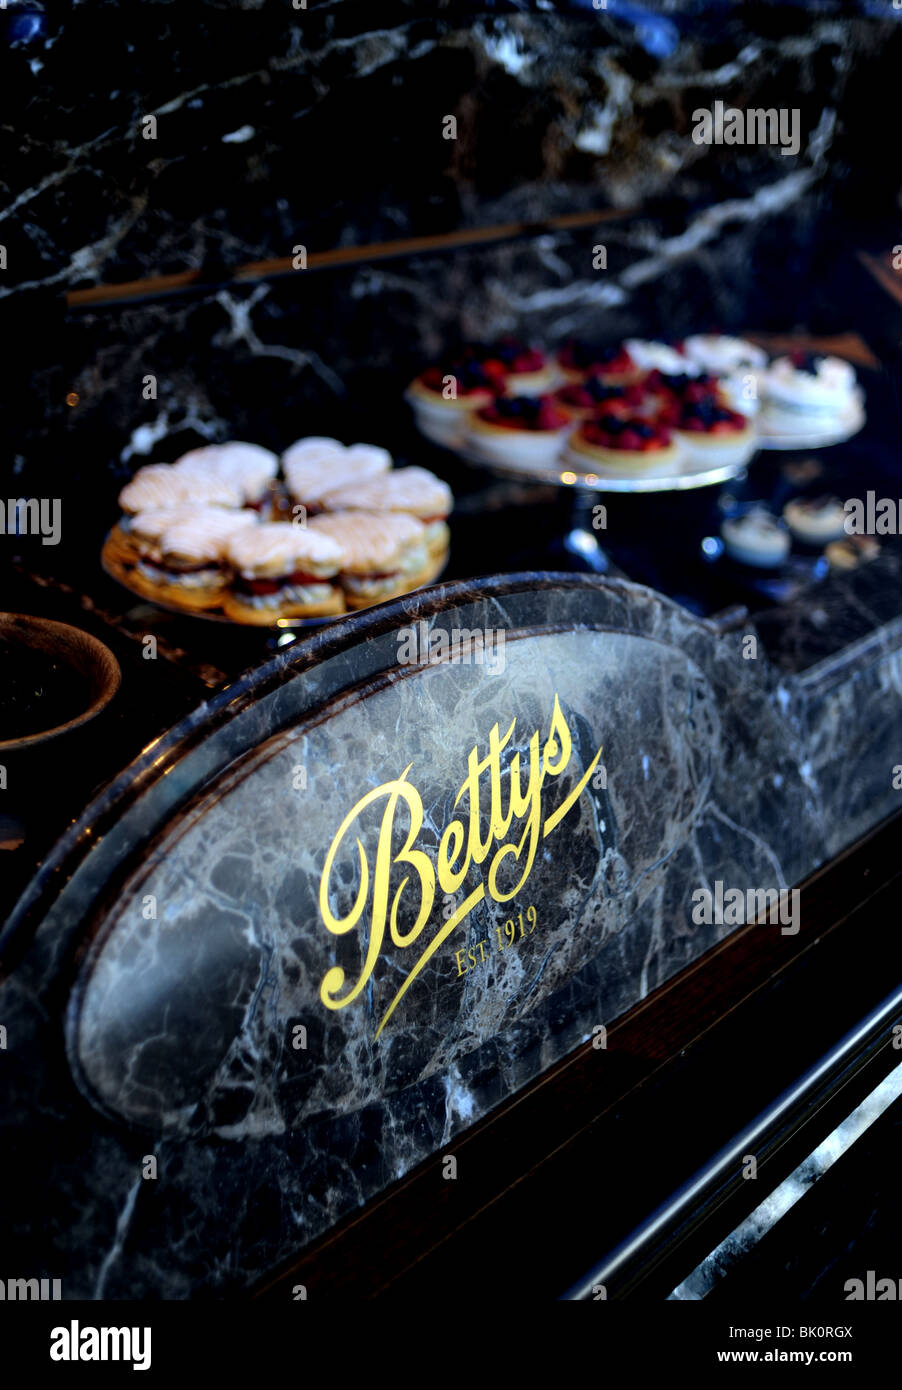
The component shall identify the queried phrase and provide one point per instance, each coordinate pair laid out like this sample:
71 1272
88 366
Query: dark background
335 116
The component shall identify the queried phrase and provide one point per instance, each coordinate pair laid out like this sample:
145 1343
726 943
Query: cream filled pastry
415 491
312 448
756 538
160 485
659 357
282 571
385 553
249 466
521 431
808 390
311 473
722 355
815 520
187 567
624 445
139 535
443 399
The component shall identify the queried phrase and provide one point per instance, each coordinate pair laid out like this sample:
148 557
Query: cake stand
580 542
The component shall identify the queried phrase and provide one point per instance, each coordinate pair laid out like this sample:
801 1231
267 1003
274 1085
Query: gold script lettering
393 792
461 845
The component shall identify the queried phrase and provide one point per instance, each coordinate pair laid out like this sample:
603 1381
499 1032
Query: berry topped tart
712 433
582 400
522 431
515 367
444 398
667 394
577 360
613 443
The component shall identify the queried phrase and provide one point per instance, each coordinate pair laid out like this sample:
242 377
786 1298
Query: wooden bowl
94 670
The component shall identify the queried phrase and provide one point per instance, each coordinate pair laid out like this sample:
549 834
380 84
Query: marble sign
361 897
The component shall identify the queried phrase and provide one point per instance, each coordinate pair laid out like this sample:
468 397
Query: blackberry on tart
443 398
713 433
578 359
521 431
614 443
517 368
581 400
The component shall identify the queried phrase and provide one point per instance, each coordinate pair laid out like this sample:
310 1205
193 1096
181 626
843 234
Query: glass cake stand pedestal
579 546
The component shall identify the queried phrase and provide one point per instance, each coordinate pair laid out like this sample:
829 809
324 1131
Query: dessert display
624 444
522 431
713 433
714 392
807 392
220 534
756 538
815 520
383 554
414 491
283 571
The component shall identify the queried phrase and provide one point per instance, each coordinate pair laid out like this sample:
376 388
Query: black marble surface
324 128
131 1037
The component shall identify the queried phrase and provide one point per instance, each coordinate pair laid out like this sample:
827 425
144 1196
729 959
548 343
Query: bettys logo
460 847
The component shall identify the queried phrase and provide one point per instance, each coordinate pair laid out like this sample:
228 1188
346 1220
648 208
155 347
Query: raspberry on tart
444 397
519 430
578 359
632 433
515 366
670 394
581 400
808 362
709 416
624 444
711 432
523 413
469 376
